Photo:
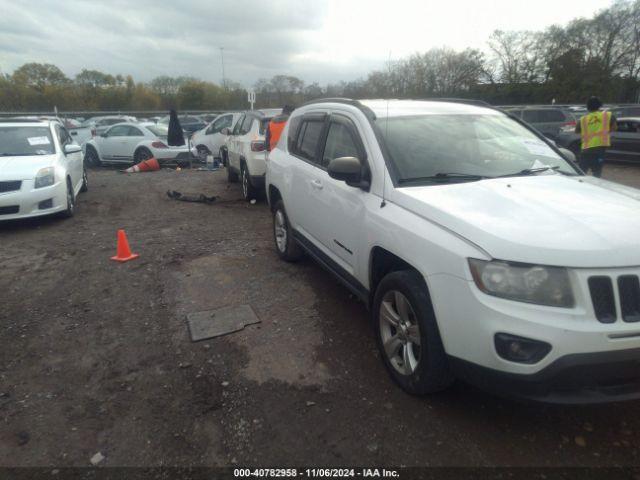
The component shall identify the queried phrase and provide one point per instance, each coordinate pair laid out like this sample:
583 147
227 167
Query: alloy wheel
400 332
245 183
280 228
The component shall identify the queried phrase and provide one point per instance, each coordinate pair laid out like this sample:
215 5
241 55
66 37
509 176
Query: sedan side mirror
226 131
72 148
103 135
346 169
568 154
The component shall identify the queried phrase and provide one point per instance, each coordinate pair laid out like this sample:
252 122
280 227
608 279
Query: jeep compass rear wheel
408 335
286 246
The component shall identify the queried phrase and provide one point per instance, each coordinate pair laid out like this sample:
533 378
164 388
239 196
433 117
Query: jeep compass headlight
45 177
523 283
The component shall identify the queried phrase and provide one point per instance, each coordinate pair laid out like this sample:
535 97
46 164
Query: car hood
545 219
23 168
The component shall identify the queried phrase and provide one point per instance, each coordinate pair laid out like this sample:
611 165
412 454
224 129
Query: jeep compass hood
545 219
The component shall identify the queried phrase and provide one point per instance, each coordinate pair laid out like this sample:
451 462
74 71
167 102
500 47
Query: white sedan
132 143
41 169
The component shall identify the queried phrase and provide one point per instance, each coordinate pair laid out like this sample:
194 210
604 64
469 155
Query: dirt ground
96 356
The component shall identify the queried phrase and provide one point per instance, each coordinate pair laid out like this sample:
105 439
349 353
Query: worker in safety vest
595 133
275 127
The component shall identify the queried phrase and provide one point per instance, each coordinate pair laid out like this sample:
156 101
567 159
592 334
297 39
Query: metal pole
224 82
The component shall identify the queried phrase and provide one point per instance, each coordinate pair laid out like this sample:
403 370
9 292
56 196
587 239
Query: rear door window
308 138
236 129
532 116
551 116
246 125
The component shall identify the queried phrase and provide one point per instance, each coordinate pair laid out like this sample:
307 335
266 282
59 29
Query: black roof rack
347 101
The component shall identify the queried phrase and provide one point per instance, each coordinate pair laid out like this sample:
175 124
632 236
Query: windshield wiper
445 177
533 171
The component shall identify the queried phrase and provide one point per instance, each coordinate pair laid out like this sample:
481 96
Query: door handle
316 184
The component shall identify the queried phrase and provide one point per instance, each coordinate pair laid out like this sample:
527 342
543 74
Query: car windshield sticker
38 141
536 147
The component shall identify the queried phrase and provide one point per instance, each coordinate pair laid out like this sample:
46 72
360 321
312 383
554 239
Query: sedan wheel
202 153
400 332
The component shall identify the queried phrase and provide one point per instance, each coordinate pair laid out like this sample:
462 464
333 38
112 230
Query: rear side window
308 138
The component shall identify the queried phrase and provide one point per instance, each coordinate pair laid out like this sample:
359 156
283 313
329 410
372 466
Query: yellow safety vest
595 130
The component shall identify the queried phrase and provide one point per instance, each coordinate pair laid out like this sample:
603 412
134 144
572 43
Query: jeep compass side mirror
346 169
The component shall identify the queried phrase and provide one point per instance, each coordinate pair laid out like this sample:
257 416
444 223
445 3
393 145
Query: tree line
565 64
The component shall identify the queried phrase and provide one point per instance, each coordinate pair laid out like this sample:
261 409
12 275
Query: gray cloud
148 38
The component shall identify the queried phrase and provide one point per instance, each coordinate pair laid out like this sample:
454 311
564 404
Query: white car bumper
31 202
588 360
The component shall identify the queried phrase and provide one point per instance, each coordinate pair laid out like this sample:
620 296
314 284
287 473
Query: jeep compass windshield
25 141
455 148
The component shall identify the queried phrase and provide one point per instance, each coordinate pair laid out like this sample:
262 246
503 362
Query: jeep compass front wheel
408 335
286 246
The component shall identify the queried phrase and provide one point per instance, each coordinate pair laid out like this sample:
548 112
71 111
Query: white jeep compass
482 253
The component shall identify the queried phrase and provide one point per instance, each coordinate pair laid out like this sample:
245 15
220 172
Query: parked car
189 123
79 133
133 143
99 125
549 121
246 153
209 140
465 233
626 111
625 141
41 169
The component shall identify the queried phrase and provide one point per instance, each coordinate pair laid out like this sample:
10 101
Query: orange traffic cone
124 252
144 166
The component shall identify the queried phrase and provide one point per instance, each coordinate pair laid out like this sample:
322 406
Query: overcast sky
316 40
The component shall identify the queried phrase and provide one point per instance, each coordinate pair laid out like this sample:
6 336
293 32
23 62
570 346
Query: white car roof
398 108
25 123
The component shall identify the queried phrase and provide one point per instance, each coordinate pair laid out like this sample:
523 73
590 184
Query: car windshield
476 145
159 130
25 141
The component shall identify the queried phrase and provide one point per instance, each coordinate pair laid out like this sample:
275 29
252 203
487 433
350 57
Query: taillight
257 146
568 126
158 144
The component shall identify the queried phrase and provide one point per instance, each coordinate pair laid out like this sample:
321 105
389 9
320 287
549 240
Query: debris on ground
190 197
310 404
214 323
97 458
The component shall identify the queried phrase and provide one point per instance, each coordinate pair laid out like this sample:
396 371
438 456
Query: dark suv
549 121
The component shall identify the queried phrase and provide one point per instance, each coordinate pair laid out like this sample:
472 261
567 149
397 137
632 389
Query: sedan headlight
523 283
45 177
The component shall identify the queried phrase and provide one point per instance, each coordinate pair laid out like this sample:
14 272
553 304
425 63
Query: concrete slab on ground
215 323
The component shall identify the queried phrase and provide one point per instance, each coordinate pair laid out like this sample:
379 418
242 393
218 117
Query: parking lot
97 356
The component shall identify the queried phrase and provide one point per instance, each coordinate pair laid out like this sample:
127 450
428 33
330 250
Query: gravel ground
95 357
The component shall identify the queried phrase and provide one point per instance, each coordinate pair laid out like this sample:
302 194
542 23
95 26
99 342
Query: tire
142 154
223 157
202 153
85 181
407 334
249 192
286 246
71 202
91 157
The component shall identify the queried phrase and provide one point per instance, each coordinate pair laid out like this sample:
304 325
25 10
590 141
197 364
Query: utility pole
224 81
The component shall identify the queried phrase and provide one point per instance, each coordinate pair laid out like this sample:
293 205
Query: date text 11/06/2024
316 472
